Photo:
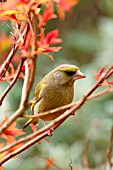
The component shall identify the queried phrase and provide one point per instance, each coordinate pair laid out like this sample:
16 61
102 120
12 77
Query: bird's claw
50 132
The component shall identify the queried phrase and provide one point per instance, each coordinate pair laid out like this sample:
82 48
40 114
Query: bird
54 90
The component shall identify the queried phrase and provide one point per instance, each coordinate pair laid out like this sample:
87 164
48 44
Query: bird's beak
78 75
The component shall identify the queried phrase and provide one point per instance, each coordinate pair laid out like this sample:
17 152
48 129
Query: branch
24 105
5 65
109 150
25 84
109 74
102 78
13 81
85 158
40 134
30 75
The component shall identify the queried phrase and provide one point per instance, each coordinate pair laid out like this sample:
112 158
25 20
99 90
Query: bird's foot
50 132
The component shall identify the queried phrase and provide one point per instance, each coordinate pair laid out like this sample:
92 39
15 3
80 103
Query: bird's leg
73 113
49 131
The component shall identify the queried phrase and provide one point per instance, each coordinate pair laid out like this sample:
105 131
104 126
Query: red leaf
110 82
101 71
47 15
105 83
51 37
52 49
10 133
65 5
49 163
98 75
47 140
1 167
33 127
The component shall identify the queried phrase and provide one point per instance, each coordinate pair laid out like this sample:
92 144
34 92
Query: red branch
13 81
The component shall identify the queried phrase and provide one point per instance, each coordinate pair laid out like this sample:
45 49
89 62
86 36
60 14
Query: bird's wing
37 98
37 93
38 90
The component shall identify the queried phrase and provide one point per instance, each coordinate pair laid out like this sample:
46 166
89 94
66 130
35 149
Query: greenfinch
54 90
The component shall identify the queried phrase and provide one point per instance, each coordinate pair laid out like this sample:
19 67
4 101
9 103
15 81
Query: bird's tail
32 120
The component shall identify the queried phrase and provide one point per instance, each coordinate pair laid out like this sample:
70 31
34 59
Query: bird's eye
70 73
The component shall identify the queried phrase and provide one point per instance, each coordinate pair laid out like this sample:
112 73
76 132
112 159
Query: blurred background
87 34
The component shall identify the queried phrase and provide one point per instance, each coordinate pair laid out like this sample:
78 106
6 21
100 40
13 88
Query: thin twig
109 74
46 158
13 81
110 150
25 84
70 165
6 63
32 71
85 159
102 78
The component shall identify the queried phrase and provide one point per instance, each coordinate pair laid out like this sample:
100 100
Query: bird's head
66 74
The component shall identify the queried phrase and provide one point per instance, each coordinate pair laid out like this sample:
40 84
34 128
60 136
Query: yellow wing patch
38 90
